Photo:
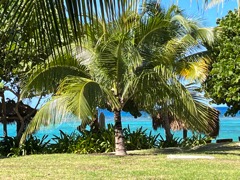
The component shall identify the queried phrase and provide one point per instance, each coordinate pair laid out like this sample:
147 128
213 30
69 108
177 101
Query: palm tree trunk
120 149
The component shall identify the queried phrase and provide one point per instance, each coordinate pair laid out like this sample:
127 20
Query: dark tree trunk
21 128
4 114
184 133
94 124
18 127
167 128
120 149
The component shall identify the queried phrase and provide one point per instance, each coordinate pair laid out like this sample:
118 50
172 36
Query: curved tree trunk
20 131
120 149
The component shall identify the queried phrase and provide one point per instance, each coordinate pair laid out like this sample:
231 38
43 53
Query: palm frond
60 22
53 112
213 3
193 70
151 27
170 92
206 35
206 113
76 97
90 91
46 77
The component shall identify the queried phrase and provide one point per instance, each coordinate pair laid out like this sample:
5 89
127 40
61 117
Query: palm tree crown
134 57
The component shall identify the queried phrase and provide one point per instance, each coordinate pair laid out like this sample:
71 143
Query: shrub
195 140
7 144
97 142
34 145
139 139
174 142
94 142
102 141
63 143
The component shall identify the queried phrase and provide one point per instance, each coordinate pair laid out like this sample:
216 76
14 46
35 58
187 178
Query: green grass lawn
145 164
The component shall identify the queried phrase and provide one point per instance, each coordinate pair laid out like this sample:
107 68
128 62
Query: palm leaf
76 97
192 71
46 77
172 93
60 22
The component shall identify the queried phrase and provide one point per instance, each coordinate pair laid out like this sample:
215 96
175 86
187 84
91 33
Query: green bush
34 145
97 142
85 142
7 144
102 141
107 142
195 140
174 142
64 143
139 139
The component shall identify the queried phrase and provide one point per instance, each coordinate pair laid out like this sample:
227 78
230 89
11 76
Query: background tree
223 83
18 53
178 50
54 21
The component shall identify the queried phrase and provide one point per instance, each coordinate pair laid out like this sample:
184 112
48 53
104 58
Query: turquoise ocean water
229 126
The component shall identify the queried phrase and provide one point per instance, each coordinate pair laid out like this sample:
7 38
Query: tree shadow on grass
3 157
171 150
218 148
213 148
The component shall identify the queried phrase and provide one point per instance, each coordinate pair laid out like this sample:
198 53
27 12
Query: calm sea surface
229 126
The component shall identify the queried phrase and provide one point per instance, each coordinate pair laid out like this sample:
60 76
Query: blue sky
209 16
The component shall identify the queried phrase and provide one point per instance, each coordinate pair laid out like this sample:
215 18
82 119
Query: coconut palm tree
183 55
129 58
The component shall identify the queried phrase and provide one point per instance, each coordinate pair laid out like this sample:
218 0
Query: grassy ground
145 164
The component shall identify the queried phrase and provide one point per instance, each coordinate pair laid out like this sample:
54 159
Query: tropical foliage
110 54
87 142
195 140
33 145
18 55
179 53
57 22
223 83
84 142
135 58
